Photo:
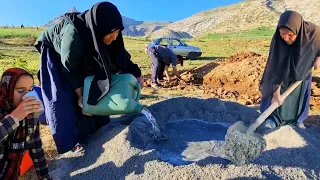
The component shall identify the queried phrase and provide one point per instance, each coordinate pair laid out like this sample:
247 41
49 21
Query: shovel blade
238 126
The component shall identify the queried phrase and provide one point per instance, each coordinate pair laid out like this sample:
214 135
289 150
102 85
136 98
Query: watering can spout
141 107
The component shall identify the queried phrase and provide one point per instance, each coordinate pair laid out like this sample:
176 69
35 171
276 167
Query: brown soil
235 78
48 144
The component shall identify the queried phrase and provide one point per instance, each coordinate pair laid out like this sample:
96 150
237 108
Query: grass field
18 36
213 46
19 32
260 33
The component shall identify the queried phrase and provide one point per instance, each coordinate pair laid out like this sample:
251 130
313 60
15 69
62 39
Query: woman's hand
80 103
277 98
141 80
79 95
316 64
80 100
28 106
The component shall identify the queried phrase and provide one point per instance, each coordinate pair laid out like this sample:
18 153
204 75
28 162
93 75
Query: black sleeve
71 58
131 67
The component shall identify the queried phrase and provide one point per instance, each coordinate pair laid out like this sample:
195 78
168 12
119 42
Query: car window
176 42
163 42
155 41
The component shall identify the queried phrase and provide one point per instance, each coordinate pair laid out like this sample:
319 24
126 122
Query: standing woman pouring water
294 49
79 45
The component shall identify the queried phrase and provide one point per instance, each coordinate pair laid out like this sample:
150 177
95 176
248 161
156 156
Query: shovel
243 145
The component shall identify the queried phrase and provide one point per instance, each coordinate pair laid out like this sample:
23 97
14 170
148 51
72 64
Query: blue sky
39 12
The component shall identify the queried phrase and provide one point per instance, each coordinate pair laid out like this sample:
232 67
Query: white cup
35 95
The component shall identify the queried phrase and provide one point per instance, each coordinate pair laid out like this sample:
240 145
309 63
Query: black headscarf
290 62
92 25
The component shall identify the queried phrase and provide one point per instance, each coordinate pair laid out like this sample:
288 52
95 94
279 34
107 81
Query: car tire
192 55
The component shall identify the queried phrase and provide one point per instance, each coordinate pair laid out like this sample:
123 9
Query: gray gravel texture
119 150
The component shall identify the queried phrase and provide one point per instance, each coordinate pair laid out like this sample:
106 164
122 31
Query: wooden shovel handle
273 106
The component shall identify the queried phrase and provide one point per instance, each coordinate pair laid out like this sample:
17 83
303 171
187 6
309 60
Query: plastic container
26 163
122 98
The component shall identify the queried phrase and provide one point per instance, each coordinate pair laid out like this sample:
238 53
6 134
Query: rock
249 102
219 91
149 82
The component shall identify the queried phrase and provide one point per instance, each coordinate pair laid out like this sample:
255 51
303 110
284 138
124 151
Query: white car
179 47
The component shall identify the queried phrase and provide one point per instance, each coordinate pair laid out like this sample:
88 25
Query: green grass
19 36
23 59
19 32
260 33
18 41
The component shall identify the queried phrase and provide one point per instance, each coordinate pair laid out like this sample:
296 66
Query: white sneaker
155 86
270 124
301 125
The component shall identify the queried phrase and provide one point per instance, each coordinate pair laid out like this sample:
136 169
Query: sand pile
124 149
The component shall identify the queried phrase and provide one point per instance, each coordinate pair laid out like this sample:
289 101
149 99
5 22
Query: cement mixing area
193 140
194 149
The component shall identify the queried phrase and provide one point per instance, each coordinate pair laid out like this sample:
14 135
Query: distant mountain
73 9
141 28
132 27
171 33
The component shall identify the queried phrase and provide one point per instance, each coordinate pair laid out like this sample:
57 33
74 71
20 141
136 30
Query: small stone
219 91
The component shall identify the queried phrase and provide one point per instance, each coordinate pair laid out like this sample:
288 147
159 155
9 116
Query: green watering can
122 98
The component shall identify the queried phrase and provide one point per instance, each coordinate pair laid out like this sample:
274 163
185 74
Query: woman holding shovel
294 49
79 45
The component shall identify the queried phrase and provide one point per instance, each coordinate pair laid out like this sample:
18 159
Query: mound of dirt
315 93
237 77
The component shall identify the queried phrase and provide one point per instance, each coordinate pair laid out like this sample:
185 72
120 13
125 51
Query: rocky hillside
241 16
141 28
308 8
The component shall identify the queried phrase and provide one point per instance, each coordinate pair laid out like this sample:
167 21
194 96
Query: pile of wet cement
242 147
120 150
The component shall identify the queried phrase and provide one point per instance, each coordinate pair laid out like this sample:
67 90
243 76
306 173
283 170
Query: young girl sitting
19 129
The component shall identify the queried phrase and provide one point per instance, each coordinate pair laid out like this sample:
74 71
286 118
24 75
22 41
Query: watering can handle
273 106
